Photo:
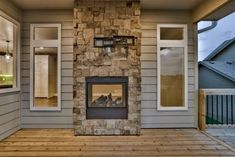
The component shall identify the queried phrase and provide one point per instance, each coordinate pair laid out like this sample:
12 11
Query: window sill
9 90
49 109
172 108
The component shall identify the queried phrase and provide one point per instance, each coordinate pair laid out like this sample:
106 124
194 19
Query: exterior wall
150 116
227 54
63 118
210 79
9 114
106 19
9 102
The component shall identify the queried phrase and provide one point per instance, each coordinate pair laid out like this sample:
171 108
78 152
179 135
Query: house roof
226 69
219 49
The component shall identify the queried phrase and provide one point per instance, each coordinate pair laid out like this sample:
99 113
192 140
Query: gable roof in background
223 68
226 69
219 49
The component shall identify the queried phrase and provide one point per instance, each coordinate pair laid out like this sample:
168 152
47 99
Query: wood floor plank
111 148
152 142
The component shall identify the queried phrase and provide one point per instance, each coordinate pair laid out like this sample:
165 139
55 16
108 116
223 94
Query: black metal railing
220 109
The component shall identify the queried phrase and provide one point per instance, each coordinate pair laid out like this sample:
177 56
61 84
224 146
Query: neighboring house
217 73
102 67
217 70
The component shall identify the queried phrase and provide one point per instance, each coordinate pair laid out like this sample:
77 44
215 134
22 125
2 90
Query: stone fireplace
107 85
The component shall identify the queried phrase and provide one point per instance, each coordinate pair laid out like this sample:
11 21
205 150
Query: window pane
172 76
46 33
45 77
7 54
171 33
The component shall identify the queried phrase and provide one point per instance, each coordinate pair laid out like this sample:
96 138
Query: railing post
202 110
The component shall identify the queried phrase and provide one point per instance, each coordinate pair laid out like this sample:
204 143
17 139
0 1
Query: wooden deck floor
158 142
226 135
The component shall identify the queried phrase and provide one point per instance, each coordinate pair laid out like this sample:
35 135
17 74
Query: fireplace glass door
106 96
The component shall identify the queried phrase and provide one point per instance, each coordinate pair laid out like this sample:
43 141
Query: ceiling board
43 4
145 4
223 11
169 4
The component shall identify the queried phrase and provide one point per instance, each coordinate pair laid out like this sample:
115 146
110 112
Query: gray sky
210 40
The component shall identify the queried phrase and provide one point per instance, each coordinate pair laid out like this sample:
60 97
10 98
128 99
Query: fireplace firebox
107 97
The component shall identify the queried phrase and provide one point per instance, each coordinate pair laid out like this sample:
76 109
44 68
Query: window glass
172 76
8 72
106 95
167 33
45 33
45 77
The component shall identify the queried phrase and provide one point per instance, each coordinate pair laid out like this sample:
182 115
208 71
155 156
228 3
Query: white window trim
172 43
45 43
17 88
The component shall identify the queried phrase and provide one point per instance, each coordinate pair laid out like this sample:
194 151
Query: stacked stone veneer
106 18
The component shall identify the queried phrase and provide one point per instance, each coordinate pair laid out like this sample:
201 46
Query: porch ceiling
43 4
201 9
170 4
145 4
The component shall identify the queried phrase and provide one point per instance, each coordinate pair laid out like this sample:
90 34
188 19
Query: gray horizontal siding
9 102
209 79
63 118
9 114
150 116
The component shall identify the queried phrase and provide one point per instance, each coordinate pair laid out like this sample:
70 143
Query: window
172 67
45 58
9 54
171 33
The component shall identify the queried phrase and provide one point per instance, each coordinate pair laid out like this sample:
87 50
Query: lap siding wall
55 119
150 116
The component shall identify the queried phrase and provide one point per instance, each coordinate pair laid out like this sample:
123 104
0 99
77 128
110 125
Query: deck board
152 142
227 135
